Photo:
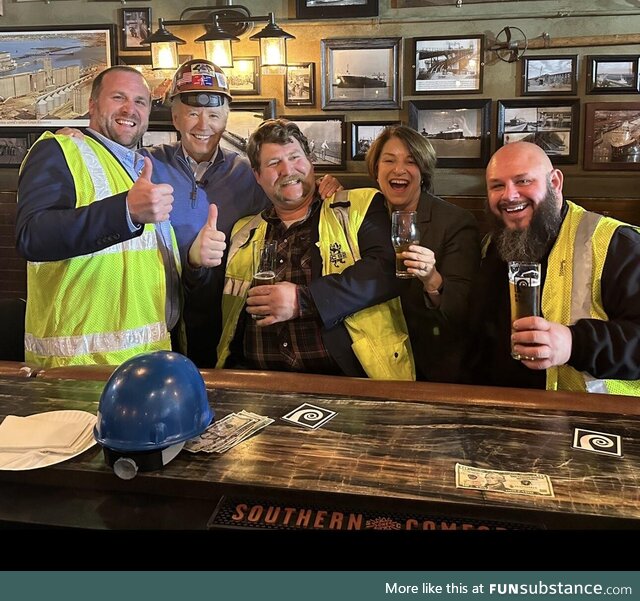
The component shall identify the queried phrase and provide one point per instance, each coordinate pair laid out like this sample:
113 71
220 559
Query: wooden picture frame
32 99
326 135
448 64
344 9
363 133
244 76
554 125
244 117
549 75
459 130
135 26
613 74
612 141
361 73
300 84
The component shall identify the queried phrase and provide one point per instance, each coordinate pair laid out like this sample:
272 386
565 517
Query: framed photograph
549 75
159 134
612 136
48 72
244 117
327 139
135 26
336 9
611 74
13 148
300 85
360 74
244 76
448 64
459 130
363 133
554 125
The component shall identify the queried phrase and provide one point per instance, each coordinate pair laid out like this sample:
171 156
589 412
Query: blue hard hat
150 402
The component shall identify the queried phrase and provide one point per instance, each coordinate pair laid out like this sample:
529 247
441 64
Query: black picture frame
300 84
14 146
135 26
345 9
330 129
553 75
91 48
361 73
244 76
363 133
613 74
244 117
554 125
459 130
611 140
448 64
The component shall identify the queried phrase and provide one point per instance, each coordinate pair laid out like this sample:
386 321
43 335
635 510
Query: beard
534 242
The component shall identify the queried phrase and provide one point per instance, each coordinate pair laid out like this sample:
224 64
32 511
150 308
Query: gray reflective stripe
582 284
90 344
95 169
146 241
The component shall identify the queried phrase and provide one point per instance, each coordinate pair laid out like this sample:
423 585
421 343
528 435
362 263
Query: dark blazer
438 335
48 225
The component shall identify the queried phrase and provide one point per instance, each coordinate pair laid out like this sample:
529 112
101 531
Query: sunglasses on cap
201 99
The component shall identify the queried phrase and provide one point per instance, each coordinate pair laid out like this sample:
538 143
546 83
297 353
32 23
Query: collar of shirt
128 157
200 168
270 215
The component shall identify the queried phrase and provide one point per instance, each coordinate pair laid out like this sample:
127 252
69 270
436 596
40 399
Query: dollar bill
515 483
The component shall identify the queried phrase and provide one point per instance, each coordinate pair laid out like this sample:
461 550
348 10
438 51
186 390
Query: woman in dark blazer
436 301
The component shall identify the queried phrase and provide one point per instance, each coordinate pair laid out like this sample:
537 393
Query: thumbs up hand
208 247
149 202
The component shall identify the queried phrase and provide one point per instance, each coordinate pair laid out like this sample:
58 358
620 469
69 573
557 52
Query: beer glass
264 265
524 292
404 232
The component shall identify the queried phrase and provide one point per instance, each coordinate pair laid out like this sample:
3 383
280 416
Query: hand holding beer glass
524 292
404 233
264 265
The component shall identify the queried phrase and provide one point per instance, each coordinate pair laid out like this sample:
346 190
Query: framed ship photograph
300 85
326 135
244 76
13 148
554 125
359 74
74 55
459 130
159 134
363 133
336 9
446 64
549 75
135 26
610 74
245 116
612 136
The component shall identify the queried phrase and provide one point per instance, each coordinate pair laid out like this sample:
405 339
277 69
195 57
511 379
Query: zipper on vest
194 194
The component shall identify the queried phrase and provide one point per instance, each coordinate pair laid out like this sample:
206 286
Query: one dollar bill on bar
515 483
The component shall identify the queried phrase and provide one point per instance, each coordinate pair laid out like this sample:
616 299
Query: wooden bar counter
388 455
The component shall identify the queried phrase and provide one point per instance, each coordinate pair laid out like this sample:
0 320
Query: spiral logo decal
309 416
597 442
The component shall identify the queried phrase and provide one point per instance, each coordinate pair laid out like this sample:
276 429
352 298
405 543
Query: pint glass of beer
524 292
264 265
404 232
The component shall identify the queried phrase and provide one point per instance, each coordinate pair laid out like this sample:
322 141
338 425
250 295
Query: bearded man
588 337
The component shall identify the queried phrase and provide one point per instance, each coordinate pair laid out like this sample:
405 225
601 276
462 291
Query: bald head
525 154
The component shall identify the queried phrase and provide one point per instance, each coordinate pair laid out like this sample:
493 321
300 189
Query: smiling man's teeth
125 122
199 137
513 208
290 182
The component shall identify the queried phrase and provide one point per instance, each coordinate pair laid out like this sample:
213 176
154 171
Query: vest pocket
386 357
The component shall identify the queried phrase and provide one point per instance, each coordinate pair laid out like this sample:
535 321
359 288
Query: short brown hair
274 131
419 147
96 86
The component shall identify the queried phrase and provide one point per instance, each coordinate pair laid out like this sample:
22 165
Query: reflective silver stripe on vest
96 171
146 241
582 284
89 344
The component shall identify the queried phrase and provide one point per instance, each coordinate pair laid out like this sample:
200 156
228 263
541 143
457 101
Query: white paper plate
33 459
